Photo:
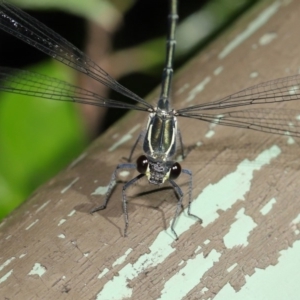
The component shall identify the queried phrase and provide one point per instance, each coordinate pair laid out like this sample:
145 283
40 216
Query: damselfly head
156 171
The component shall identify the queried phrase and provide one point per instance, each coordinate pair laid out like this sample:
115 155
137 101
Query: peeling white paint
287 133
183 88
77 160
159 251
253 75
275 282
5 277
294 90
206 242
231 267
267 38
218 70
62 221
211 131
198 249
100 190
122 258
296 220
70 185
181 263
231 188
61 236
125 138
257 23
221 195
186 279
290 141
86 254
210 134
105 271
266 209
198 89
22 255
42 206
72 213
32 224
6 263
239 230
8 237
37 269
2 223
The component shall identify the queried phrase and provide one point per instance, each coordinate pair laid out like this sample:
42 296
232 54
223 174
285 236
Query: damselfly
161 134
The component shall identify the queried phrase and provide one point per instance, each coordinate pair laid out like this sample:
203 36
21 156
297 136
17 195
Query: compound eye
142 164
175 171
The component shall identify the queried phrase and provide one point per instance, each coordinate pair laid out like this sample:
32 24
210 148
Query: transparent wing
37 85
278 90
278 121
36 34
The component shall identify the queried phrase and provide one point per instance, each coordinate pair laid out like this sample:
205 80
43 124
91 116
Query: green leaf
38 137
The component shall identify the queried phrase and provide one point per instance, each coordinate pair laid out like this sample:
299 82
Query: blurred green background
38 137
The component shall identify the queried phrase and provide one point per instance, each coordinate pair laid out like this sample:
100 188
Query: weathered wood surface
245 189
